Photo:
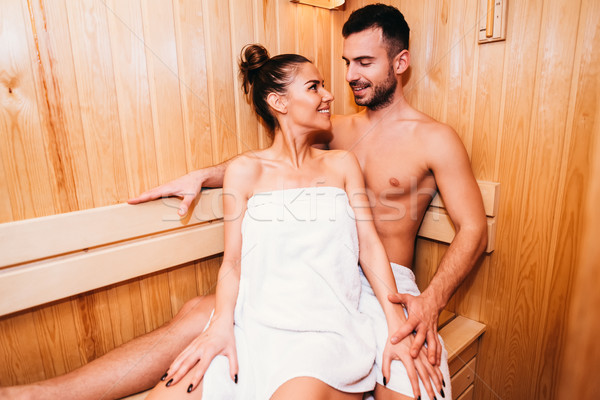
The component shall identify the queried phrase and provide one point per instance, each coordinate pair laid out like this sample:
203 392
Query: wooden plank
219 72
490 193
21 361
92 58
462 54
464 378
133 94
538 231
59 105
33 239
288 29
22 151
246 121
459 334
463 358
69 275
161 56
570 213
467 394
189 33
580 353
56 331
437 225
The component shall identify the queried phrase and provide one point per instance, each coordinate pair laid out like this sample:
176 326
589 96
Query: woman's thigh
311 388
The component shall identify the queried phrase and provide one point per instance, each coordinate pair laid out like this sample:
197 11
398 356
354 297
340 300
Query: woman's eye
313 87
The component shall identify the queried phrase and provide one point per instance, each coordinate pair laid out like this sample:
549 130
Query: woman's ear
401 62
277 102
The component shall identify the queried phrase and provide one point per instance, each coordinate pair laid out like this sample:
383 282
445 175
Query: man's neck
397 106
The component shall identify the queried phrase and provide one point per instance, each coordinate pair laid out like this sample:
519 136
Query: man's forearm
213 176
459 260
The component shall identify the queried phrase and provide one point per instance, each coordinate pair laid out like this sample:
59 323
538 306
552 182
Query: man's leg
130 368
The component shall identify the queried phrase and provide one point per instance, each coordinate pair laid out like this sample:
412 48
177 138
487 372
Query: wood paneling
525 109
102 100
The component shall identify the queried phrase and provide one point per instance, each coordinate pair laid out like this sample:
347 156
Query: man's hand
423 314
187 187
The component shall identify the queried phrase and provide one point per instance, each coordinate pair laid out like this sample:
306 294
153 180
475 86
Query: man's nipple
394 182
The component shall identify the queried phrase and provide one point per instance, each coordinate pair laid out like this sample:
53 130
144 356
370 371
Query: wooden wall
527 110
100 100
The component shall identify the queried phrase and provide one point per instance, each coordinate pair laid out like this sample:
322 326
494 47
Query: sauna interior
101 100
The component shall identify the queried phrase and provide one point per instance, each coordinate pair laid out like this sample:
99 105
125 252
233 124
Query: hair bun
252 58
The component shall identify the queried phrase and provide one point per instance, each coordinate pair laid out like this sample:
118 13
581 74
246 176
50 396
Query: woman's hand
416 367
216 340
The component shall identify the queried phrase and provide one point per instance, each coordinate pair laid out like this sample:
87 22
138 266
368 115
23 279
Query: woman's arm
376 267
219 338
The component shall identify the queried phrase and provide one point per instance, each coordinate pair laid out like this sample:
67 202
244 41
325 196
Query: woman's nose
327 96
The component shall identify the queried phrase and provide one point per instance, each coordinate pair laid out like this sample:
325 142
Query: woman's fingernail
164 376
443 382
384 381
190 387
235 378
169 383
442 393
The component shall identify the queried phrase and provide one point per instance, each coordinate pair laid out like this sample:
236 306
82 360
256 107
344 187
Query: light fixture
330 4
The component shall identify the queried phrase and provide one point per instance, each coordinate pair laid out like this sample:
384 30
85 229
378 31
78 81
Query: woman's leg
311 388
130 368
382 393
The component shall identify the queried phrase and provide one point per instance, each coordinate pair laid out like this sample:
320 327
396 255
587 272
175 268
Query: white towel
297 309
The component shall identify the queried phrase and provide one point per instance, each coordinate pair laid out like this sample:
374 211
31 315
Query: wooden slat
464 378
25 286
459 334
490 193
437 225
463 358
37 238
467 394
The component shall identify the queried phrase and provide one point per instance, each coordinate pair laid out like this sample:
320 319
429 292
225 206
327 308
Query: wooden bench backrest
50 258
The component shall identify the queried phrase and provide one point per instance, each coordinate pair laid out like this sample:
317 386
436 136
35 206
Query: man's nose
351 74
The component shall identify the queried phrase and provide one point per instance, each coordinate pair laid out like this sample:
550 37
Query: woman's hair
262 75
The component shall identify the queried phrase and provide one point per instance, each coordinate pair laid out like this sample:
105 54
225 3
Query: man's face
369 70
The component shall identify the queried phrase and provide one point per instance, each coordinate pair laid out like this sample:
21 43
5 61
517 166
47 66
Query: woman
286 323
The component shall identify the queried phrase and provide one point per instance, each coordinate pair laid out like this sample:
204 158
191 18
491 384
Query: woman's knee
311 388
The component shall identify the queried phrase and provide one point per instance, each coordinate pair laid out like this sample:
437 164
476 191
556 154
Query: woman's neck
292 146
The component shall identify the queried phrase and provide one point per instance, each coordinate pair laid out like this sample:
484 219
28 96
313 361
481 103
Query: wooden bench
38 266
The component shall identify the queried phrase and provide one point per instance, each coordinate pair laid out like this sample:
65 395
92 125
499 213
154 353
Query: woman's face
307 99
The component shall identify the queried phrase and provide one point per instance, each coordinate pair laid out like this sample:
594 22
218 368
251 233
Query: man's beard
383 93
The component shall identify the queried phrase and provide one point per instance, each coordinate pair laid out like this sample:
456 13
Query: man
405 156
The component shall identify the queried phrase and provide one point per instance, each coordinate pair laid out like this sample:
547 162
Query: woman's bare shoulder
243 171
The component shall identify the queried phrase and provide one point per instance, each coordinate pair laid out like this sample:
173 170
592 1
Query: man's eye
365 64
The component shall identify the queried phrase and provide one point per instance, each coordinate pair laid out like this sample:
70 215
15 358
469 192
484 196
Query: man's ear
401 62
277 102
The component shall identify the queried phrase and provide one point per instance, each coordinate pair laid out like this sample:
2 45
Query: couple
311 284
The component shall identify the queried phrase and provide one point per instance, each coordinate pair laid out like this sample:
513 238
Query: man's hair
395 30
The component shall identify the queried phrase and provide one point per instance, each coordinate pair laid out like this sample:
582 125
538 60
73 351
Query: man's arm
451 167
187 186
